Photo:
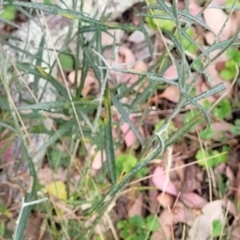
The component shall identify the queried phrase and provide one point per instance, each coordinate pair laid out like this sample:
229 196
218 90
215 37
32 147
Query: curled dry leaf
230 175
171 93
126 56
91 85
161 181
193 200
165 200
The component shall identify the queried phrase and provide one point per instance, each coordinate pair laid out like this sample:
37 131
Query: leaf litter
179 197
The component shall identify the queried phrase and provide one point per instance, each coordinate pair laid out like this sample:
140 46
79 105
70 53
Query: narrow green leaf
5 125
64 128
108 136
38 63
39 71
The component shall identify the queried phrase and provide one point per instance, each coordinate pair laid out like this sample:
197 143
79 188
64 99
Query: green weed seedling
229 71
67 61
223 109
217 228
190 116
211 159
8 13
190 47
206 133
137 227
155 23
125 163
235 129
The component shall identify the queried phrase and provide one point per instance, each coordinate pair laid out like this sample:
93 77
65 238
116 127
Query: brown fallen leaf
98 160
220 129
137 206
171 93
166 226
165 200
191 182
193 200
91 85
180 170
152 193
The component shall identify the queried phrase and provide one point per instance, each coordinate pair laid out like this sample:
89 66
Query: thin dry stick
207 169
225 220
176 168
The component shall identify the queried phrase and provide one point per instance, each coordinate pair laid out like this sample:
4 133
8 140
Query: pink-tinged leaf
194 8
126 55
165 200
129 136
91 84
171 93
161 181
216 23
111 37
98 160
193 200
171 73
